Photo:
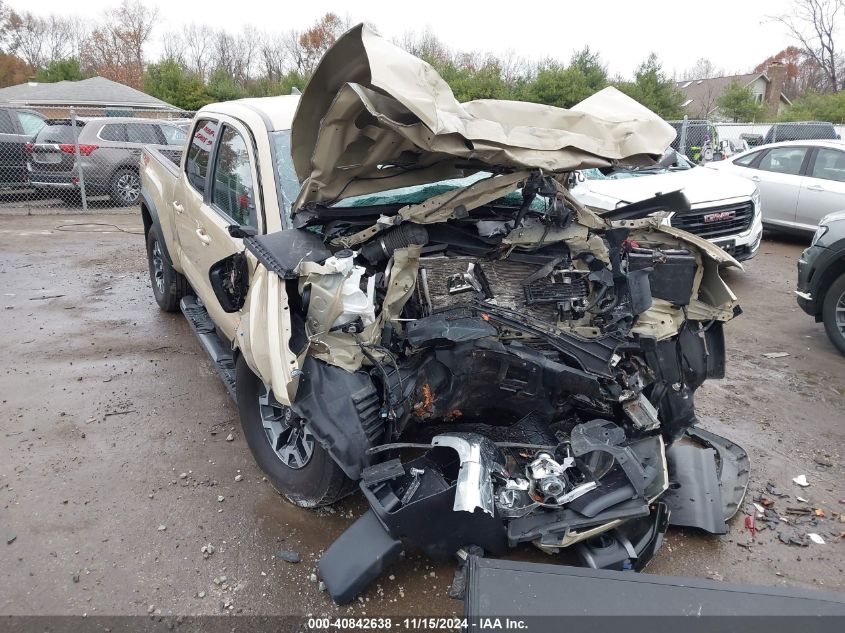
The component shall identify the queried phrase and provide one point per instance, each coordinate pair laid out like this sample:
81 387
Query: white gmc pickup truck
374 263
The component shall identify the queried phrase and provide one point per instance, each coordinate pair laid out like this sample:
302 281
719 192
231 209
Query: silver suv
109 151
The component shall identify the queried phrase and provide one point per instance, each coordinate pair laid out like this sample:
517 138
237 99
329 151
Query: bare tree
275 55
198 46
41 40
116 48
814 25
173 47
703 68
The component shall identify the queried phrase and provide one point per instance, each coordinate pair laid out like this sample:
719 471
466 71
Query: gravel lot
115 469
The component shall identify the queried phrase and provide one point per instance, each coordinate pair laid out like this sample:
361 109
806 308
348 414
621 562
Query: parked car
725 208
799 181
800 131
821 277
18 127
374 262
109 151
701 139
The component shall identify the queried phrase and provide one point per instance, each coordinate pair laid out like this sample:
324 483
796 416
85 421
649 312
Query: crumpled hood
374 117
698 184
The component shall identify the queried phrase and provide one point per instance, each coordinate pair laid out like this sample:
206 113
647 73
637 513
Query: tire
834 322
168 285
125 187
319 482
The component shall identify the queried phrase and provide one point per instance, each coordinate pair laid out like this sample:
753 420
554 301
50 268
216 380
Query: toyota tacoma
403 297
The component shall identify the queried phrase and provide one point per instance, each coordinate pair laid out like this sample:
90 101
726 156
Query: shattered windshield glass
420 193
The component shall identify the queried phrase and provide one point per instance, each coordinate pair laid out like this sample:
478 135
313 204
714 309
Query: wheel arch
828 276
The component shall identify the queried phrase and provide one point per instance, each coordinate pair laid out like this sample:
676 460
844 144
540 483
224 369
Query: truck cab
235 172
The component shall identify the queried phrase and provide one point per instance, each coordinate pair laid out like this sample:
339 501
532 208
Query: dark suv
18 127
821 277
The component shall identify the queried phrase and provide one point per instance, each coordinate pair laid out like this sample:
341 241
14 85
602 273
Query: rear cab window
199 152
173 135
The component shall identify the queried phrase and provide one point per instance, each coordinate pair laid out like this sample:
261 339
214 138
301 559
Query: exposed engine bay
496 363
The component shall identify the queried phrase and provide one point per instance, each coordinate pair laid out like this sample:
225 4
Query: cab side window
233 192
199 151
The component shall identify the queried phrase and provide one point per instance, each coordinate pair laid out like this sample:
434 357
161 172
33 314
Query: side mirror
240 231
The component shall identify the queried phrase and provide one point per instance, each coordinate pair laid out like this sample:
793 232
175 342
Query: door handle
178 207
205 238
755 178
815 187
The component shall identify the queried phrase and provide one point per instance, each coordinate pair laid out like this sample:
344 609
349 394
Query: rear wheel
833 313
294 462
168 285
125 187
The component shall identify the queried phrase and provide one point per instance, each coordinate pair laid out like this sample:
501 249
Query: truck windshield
289 184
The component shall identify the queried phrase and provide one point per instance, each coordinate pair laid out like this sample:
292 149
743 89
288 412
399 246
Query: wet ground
116 469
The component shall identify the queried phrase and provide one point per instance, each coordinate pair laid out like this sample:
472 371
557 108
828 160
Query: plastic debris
802 499
776 355
818 540
751 524
801 480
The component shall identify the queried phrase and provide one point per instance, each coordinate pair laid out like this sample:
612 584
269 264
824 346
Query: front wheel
833 313
294 462
125 188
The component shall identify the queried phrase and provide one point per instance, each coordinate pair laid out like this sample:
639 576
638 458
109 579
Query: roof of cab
278 111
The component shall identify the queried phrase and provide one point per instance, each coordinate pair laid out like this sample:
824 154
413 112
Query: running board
218 351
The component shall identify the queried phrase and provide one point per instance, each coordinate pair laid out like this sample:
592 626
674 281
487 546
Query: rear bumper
64 180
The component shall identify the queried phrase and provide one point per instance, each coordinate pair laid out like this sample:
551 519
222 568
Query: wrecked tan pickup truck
403 297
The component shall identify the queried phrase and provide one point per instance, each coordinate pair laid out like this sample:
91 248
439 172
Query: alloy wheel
292 443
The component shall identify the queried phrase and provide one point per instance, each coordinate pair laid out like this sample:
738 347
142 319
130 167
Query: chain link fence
79 158
704 141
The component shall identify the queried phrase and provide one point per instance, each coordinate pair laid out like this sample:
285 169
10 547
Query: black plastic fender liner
342 410
542 594
694 496
734 468
703 493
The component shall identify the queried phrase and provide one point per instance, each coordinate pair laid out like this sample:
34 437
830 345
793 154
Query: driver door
218 191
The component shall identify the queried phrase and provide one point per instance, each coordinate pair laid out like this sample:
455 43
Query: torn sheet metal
480 459
374 117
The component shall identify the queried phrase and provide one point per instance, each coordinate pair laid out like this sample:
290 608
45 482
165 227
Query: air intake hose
381 247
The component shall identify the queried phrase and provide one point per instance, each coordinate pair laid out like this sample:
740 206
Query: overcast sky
734 34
